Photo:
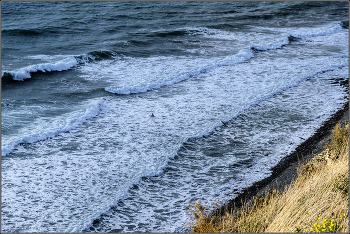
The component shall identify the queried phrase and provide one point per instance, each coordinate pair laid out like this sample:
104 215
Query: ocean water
80 81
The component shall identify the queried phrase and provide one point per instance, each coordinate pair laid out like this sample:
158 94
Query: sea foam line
24 73
243 55
61 65
328 30
89 221
43 131
266 97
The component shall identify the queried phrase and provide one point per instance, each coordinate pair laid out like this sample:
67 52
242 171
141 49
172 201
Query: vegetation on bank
317 201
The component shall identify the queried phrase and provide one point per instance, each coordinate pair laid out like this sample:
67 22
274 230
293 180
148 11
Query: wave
30 32
303 33
293 8
273 10
97 55
61 65
242 56
73 61
25 73
169 33
273 45
316 32
87 223
252 104
185 32
42 31
268 96
52 128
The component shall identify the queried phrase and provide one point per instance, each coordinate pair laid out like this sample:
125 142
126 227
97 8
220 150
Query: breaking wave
240 57
53 127
61 65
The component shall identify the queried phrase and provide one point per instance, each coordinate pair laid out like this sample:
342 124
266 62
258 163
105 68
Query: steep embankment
316 201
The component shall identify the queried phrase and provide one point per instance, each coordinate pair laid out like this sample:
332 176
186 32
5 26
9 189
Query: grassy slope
317 201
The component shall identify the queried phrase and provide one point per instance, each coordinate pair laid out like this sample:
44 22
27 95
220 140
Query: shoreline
286 170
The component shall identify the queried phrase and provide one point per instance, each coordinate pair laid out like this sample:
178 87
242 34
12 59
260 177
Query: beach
287 170
117 115
311 195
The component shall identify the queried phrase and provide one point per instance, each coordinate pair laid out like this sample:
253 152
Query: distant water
80 81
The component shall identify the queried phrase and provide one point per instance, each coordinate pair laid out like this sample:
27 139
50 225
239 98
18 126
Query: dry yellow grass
317 201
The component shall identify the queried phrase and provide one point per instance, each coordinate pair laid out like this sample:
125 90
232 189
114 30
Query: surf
58 66
43 130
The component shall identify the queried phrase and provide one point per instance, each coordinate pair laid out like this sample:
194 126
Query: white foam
316 32
50 128
61 65
24 73
180 115
146 85
189 116
243 55
240 57
125 143
305 32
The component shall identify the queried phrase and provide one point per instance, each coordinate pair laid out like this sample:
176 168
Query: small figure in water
152 115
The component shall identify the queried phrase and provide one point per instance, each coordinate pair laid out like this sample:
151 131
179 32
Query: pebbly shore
286 170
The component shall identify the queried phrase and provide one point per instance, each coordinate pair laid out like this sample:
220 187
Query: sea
115 116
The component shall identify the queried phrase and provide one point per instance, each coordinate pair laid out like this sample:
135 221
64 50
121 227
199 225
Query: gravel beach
286 170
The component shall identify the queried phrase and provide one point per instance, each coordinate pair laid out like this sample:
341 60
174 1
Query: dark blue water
81 151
